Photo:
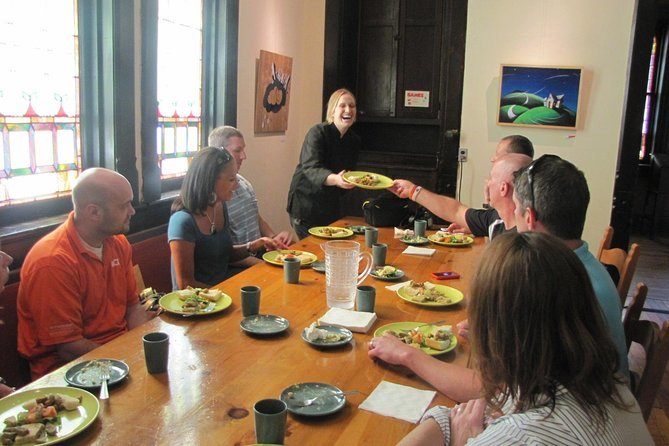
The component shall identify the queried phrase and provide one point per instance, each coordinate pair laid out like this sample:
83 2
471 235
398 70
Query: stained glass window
39 103
179 84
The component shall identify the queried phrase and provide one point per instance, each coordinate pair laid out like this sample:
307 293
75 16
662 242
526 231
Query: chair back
605 243
655 342
634 310
13 368
153 258
626 263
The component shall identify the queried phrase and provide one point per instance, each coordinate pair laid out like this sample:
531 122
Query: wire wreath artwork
276 91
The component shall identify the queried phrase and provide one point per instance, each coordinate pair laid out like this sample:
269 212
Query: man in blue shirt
552 196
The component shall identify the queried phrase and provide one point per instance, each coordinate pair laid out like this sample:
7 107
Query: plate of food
387 272
359 230
195 301
86 374
449 239
276 257
367 180
48 415
432 339
326 336
430 295
264 324
414 240
330 232
328 399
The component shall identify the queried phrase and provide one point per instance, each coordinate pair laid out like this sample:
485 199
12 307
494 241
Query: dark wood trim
635 97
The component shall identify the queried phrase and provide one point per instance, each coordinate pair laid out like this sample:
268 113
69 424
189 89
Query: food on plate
198 299
330 232
367 179
413 239
40 419
148 293
438 338
386 271
425 292
446 237
304 257
91 373
313 333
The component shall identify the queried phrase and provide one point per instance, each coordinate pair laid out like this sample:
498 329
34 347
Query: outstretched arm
444 207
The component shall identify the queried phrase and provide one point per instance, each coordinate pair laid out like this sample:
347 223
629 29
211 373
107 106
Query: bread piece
36 434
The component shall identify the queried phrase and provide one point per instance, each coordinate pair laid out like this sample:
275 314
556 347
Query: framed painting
272 92
535 96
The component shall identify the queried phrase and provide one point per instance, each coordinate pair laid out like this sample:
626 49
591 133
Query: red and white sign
416 98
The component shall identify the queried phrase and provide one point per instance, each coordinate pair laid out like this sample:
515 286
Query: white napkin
358 321
398 401
419 251
397 286
401 233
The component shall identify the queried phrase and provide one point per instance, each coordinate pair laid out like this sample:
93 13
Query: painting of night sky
539 96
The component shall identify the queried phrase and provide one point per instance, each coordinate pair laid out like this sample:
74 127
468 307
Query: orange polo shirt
67 293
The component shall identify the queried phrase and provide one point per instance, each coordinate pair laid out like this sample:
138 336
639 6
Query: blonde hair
332 103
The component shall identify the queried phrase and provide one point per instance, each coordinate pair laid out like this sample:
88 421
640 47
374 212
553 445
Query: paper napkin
357 321
398 401
401 233
397 286
419 251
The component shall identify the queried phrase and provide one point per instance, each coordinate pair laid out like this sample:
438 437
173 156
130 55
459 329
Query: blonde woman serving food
199 228
329 150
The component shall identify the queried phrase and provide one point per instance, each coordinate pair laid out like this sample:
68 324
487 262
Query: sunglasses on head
224 156
532 173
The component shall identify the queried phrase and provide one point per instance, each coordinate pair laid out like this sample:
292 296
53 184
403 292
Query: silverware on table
104 376
310 401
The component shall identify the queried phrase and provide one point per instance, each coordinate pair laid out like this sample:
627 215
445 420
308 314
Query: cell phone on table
445 275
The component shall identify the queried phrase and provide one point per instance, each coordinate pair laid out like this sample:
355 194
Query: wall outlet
462 155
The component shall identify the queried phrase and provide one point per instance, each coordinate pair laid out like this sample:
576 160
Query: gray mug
270 421
250 300
379 251
366 297
371 236
156 351
291 270
419 227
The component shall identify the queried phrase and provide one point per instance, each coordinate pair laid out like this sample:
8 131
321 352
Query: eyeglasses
531 175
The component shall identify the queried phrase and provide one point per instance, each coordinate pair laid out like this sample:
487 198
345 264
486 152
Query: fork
310 401
423 325
104 392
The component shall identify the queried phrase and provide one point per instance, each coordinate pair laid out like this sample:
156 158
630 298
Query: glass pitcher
342 259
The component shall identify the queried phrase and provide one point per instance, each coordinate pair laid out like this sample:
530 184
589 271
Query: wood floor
653 270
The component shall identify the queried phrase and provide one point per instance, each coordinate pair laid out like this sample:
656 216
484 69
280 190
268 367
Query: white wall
293 28
592 34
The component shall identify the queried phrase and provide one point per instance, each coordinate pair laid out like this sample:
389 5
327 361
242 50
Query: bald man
78 288
479 222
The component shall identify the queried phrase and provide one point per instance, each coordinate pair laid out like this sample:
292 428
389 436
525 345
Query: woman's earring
212 198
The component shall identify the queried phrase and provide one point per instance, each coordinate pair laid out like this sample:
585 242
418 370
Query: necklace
212 230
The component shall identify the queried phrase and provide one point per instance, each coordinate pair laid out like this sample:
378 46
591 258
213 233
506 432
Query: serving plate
453 294
171 303
383 183
406 326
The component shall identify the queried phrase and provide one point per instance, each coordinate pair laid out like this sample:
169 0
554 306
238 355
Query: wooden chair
626 264
634 310
655 343
14 368
605 243
152 255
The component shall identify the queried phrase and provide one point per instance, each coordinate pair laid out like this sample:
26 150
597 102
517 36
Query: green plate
318 232
397 326
171 303
271 256
322 344
384 181
264 324
397 276
415 241
466 241
360 230
72 421
332 401
456 296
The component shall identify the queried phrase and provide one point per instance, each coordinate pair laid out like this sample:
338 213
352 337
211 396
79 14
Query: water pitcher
342 259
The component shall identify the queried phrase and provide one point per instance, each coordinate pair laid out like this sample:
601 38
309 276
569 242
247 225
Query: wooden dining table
216 372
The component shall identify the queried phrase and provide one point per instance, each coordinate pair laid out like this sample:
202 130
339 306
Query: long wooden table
215 369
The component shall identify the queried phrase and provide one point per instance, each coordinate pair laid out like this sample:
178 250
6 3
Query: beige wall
594 35
294 28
